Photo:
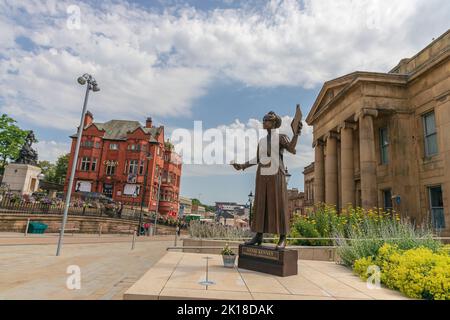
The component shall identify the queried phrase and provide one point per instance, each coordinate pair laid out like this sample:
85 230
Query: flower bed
326 222
419 273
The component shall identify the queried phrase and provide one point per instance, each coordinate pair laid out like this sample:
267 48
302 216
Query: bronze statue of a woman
270 214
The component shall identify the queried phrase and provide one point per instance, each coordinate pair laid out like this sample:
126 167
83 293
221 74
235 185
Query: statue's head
271 121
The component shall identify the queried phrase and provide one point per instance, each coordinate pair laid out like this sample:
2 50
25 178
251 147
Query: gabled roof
346 83
118 129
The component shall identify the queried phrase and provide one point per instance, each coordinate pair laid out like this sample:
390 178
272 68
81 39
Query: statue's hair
276 119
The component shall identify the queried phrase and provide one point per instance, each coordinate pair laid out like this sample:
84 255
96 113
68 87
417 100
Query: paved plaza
29 268
109 269
178 276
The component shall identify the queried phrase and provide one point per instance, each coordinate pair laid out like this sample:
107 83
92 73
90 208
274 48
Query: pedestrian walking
119 212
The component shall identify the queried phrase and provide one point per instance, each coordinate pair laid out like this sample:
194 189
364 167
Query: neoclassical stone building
383 139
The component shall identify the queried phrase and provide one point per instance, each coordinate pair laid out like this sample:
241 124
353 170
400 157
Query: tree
196 202
48 169
12 139
62 165
55 172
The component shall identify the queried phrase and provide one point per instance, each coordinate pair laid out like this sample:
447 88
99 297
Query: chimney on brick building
148 122
88 119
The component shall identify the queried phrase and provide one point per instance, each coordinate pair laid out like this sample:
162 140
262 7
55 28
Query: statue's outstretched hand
238 166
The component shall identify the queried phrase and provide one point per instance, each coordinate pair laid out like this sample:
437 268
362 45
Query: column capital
347 125
366 112
332 135
318 142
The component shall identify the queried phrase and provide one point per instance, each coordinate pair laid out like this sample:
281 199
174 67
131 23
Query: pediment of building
336 89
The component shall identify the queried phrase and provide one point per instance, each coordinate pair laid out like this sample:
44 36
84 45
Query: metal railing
20 208
38 208
331 239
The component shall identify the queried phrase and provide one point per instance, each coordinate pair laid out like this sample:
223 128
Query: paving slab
107 269
179 275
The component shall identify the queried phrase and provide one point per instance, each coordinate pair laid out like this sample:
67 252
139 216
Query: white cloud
51 150
158 63
304 156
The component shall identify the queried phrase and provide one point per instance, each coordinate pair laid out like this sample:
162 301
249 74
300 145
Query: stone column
319 172
368 161
331 170
347 165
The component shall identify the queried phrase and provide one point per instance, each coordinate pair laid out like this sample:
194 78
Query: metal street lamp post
288 176
91 85
250 200
149 157
157 203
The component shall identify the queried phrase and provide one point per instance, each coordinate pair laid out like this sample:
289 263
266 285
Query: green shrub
361 266
306 229
366 239
368 228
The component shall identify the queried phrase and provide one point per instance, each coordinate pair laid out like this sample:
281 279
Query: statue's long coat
270 211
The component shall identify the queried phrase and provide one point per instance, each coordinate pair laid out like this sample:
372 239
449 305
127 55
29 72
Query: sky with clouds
225 63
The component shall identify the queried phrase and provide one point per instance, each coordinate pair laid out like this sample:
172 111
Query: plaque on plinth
278 262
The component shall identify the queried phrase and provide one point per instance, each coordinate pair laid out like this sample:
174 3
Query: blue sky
225 63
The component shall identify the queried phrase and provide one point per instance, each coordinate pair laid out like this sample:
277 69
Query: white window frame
85 164
94 164
113 146
428 134
384 145
431 206
133 166
110 169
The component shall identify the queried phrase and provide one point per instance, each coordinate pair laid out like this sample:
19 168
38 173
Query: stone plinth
282 263
22 178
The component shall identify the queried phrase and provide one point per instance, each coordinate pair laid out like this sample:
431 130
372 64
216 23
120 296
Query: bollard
176 236
100 231
134 239
26 229
207 282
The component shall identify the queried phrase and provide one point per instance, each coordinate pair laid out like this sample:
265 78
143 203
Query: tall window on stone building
384 146
437 207
85 163
387 200
429 125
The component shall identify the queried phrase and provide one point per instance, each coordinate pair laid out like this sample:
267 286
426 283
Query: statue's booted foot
256 241
281 243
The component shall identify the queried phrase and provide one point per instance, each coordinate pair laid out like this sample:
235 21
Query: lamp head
288 175
81 80
95 88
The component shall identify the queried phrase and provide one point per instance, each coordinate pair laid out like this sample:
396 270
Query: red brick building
113 160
